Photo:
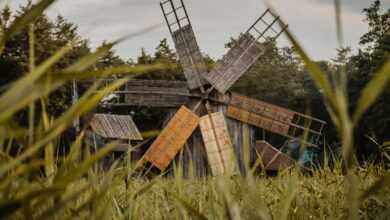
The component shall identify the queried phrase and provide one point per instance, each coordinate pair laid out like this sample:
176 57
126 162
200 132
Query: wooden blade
274 118
154 93
172 138
187 48
218 145
246 51
272 158
235 63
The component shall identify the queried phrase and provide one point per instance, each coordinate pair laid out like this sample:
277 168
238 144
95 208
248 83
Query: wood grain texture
274 118
235 63
272 158
262 108
257 120
172 138
115 127
190 57
218 145
156 93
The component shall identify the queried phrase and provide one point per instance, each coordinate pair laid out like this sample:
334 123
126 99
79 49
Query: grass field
287 196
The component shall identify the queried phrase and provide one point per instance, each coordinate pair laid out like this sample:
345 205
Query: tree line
277 77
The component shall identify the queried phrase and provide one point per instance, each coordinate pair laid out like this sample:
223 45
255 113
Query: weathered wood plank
258 120
235 63
262 108
218 145
273 118
190 57
272 158
155 93
115 127
155 100
241 133
172 138
134 85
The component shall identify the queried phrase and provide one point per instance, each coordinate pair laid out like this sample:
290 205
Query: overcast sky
214 22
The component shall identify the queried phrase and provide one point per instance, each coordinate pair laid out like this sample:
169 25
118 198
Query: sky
214 22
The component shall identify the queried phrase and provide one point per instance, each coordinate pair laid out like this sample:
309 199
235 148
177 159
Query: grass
290 195
71 187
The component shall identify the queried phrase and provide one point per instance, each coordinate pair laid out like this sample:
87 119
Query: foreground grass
290 195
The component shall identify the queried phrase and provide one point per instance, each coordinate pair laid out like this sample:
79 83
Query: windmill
200 95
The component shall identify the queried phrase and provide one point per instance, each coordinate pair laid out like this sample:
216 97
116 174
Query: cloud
214 21
355 5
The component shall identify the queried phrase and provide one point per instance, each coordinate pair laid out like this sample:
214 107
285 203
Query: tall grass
70 187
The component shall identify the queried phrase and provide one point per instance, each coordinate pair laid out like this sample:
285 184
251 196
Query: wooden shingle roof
115 126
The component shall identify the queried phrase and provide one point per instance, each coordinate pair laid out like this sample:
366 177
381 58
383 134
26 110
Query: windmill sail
172 139
272 158
154 93
218 145
273 118
244 53
187 48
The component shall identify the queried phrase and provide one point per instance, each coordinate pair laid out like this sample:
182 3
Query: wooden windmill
204 99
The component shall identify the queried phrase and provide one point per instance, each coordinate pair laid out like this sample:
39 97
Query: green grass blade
8 208
319 77
21 22
189 208
372 90
119 70
87 61
375 187
78 171
85 104
63 204
37 91
23 86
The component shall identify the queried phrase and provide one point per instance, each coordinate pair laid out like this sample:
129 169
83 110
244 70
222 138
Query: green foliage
277 77
363 66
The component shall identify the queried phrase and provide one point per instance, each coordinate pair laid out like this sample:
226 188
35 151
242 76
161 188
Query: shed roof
115 126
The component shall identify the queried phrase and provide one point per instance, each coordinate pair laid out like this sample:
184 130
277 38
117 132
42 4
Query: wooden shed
105 128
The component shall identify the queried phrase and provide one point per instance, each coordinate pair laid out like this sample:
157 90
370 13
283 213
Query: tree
164 54
373 54
50 36
110 59
276 77
144 58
